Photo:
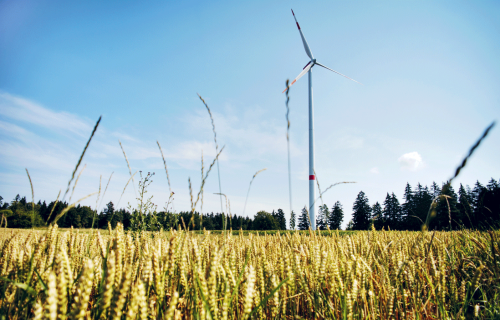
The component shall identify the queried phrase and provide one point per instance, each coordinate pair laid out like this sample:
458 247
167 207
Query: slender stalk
81 156
216 151
249 186
32 200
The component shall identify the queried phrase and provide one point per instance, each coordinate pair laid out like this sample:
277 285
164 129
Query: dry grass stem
81 157
249 186
165 164
128 166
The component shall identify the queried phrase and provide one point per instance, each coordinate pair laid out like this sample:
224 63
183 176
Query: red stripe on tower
311 177
298 25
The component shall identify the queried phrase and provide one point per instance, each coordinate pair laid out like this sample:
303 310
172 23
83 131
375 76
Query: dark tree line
20 214
477 208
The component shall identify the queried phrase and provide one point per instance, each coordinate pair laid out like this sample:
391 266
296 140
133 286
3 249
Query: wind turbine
308 69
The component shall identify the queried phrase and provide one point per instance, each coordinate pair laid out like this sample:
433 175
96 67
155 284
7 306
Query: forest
470 208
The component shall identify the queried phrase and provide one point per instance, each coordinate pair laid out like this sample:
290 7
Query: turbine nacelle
313 62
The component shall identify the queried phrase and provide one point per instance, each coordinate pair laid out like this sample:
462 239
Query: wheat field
177 274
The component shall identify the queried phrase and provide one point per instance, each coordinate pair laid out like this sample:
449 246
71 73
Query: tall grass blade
70 206
55 204
248 192
216 151
264 301
76 182
32 200
106 189
128 165
125 188
81 157
165 164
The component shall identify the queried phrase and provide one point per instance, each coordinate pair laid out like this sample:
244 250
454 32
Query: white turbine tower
308 69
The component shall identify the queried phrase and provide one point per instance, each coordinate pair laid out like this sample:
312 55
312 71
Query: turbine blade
308 66
343 75
306 46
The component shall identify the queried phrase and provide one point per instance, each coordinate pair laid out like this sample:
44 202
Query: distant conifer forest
469 208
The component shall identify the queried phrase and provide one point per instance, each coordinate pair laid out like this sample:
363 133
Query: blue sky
430 74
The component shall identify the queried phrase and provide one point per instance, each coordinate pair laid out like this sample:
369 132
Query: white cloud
22 109
410 161
374 170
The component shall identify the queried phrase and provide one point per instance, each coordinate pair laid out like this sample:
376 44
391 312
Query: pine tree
350 225
448 216
422 201
493 185
109 214
279 216
398 217
407 208
465 207
392 212
387 212
377 216
336 216
292 220
492 202
304 220
321 219
487 205
435 190
361 212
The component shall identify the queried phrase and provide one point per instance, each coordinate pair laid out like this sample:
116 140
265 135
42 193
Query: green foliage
377 217
322 218
448 215
361 212
22 214
292 220
350 226
392 212
336 216
264 221
304 220
144 216
477 208
279 216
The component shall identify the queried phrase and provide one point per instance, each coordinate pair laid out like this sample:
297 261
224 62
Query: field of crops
181 275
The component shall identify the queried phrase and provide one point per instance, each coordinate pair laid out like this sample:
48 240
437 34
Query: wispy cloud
374 170
24 110
411 161
51 154
245 134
